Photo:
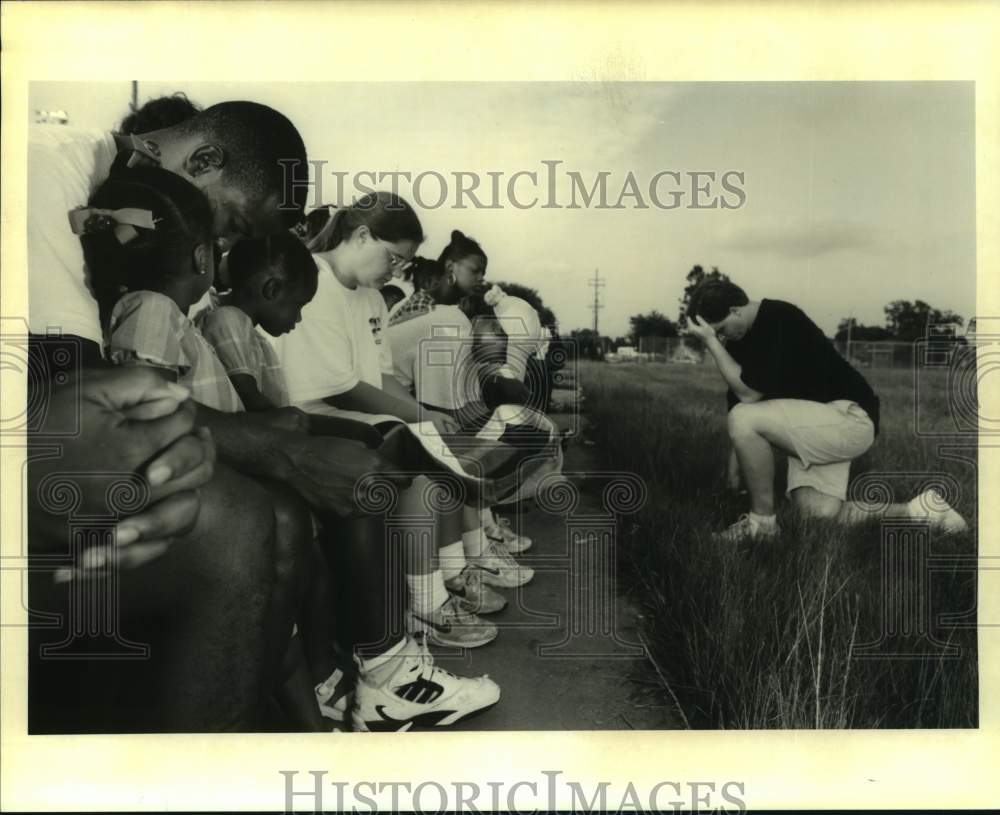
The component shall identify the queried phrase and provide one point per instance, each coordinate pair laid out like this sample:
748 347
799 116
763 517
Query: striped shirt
242 350
147 328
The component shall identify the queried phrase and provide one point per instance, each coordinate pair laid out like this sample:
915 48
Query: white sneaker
747 528
409 690
333 696
451 625
508 537
930 505
498 568
473 594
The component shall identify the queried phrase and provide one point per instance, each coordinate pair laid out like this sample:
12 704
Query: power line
598 284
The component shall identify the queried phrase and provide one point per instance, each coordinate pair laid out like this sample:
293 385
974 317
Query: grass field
791 633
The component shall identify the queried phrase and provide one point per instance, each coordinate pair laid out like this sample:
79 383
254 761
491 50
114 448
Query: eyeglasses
396 261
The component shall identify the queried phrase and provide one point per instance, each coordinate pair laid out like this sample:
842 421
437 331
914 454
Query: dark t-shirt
785 355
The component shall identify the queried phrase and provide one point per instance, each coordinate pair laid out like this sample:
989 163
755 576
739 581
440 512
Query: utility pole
598 284
135 95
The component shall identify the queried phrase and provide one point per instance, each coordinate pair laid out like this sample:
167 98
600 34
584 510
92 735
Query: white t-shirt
339 343
522 326
65 166
432 356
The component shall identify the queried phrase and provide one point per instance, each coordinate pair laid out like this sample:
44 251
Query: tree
533 299
861 333
587 344
696 276
908 321
653 324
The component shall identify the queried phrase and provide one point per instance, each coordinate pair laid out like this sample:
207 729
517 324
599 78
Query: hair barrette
125 223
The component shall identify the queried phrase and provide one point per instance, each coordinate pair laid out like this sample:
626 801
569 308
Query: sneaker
747 528
930 505
508 537
333 696
473 594
409 690
498 568
451 625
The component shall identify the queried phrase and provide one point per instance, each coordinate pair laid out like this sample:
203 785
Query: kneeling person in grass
790 389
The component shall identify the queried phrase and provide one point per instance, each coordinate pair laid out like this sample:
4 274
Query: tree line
905 321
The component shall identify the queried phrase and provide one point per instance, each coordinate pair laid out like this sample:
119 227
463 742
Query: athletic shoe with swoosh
451 625
474 595
498 567
503 532
409 690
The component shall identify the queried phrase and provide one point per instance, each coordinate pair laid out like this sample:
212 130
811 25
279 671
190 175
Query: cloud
799 239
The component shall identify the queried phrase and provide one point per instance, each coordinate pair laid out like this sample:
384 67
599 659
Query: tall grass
779 635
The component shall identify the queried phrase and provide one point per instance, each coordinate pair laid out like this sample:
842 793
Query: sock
915 507
367 665
487 517
427 591
452 559
474 542
767 521
326 688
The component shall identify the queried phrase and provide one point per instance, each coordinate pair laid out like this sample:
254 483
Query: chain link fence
681 350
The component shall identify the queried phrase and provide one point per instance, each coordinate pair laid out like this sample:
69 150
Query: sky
852 194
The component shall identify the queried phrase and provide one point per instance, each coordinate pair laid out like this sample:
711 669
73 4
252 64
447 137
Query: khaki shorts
827 438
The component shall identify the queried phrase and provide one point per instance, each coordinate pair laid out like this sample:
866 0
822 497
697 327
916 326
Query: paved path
591 682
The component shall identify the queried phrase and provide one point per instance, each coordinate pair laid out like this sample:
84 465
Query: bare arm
324 470
731 370
367 399
253 400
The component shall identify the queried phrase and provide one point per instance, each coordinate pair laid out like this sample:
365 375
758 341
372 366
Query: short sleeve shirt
65 166
339 342
147 328
432 356
242 350
785 355
523 328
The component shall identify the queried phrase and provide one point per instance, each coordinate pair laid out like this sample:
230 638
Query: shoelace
453 609
505 528
427 666
500 552
468 577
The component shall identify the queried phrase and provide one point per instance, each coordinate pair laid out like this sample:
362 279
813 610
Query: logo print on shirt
376 325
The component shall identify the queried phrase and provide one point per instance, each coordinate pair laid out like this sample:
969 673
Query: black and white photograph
615 407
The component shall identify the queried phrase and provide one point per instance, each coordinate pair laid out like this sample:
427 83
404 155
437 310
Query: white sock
367 665
764 520
452 559
474 542
916 508
427 591
487 517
